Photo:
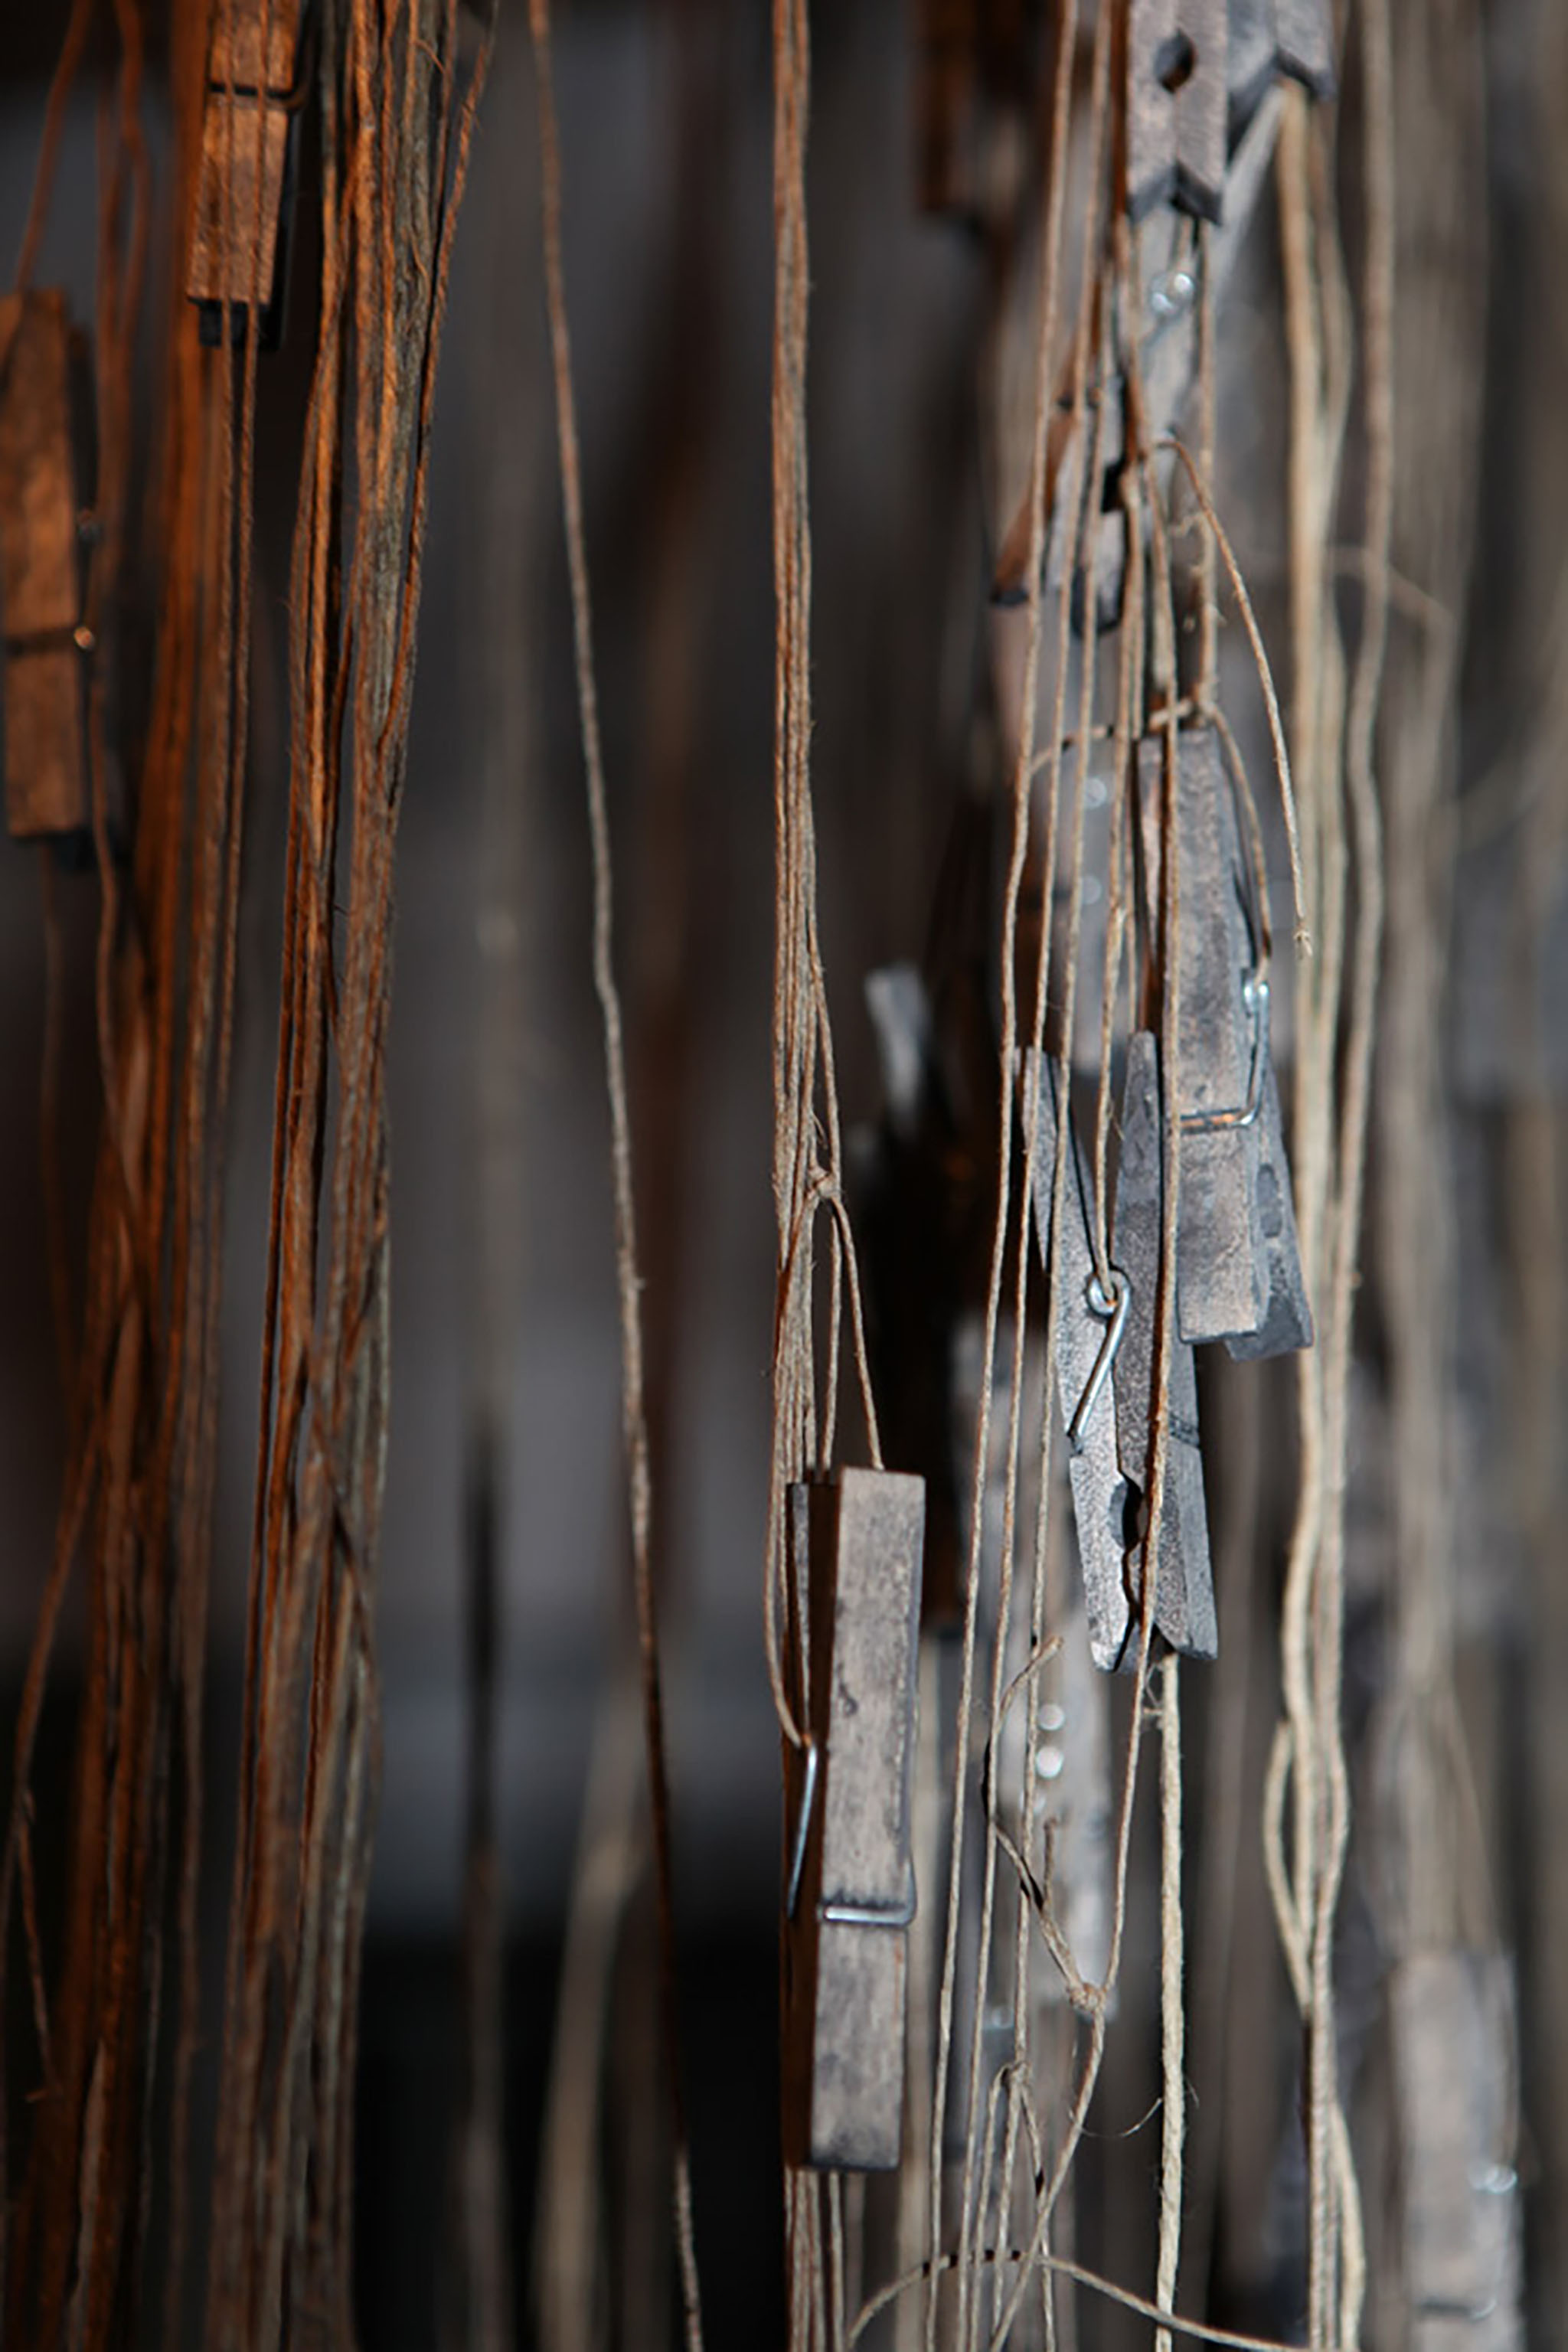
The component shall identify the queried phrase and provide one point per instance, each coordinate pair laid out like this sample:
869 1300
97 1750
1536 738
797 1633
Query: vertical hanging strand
1340 851
807 1166
396 135
634 1419
1172 2115
793 1032
138 1436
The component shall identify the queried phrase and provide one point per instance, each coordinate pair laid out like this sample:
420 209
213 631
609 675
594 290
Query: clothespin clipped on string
1455 2087
1238 1262
849 1894
1176 101
239 245
43 528
1102 1398
1183 1599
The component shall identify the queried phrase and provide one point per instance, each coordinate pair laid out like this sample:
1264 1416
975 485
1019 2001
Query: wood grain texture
45 718
846 1974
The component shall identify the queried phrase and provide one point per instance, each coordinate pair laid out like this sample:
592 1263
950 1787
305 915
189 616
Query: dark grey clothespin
1090 1325
1288 1317
254 94
1183 1599
42 527
1176 97
1238 1268
850 1893
1456 2071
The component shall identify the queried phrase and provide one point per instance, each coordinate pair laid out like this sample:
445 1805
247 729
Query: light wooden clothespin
41 531
849 1895
1238 1264
239 245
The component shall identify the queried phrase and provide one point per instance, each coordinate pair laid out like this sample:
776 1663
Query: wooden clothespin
1238 1265
244 190
1288 1317
1090 1326
1273 37
849 1894
1455 2069
1176 98
1183 1599
41 531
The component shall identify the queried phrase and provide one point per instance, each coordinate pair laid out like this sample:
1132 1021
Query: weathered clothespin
850 1893
41 531
1271 37
1176 97
1288 1317
1183 1599
1456 2072
1238 1267
1090 1325
244 190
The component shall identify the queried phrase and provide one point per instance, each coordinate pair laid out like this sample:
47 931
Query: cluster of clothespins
1199 121
237 253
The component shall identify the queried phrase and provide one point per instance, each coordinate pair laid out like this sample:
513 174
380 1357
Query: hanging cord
1044 360
1080 542
1308 1747
808 1157
633 1411
397 137
1092 2000
1058 2266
